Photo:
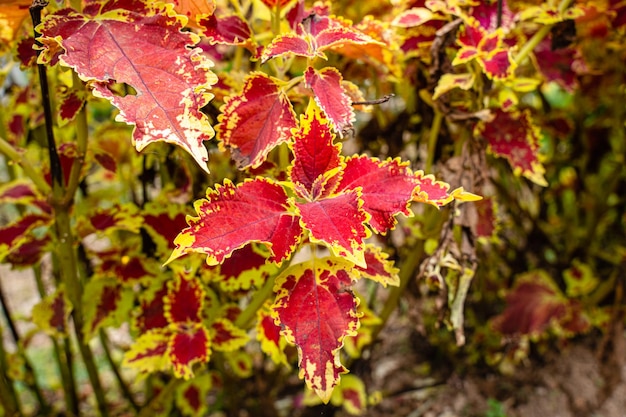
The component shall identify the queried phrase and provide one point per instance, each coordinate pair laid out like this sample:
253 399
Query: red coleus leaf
514 136
557 64
229 30
431 191
116 217
71 102
351 394
253 122
13 235
331 97
379 267
226 337
194 10
176 336
52 312
126 269
498 64
24 193
188 346
192 394
339 222
17 192
286 44
486 221
105 303
29 252
316 314
25 52
315 155
246 268
184 300
413 17
104 46
386 188
492 15
151 314
192 401
105 160
314 35
233 216
149 352
487 48
532 305
296 14
268 334
163 222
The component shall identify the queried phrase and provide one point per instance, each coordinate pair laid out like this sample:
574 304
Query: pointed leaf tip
233 216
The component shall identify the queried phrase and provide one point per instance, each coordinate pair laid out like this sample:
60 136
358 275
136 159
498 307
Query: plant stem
31 380
539 35
258 299
56 170
276 19
14 155
64 363
118 376
8 396
69 273
433 135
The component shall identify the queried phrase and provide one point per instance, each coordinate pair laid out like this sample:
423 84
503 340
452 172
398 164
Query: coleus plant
321 199
327 200
290 228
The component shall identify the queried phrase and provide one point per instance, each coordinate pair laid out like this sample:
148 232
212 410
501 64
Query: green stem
8 396
11 407
539 36
433 135
238 9
258 299
31 380
14 155
276 19
64 363
66 256
293 82
118 376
